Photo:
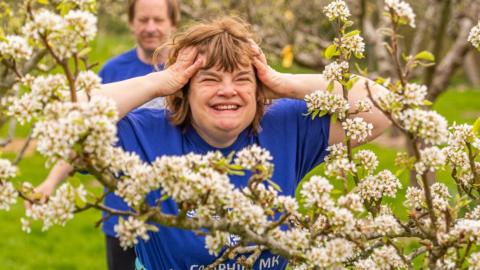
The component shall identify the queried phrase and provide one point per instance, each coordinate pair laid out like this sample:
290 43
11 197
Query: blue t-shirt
296 143
122 67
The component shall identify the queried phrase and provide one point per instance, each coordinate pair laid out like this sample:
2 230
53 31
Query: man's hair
173 11
226 44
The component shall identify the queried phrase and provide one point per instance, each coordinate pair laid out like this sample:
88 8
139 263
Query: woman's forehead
218 70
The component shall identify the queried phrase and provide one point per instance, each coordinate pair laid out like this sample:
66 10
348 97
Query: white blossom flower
83 24
332 254
357 128
465 229
474 261
288 203
474 214
316 192
351 201
44 23
390 102
431 159
378 186
82 4
414 198
401 9
8 195
327 102
337 9
44 89
60 207
65 124
336 151
296 239
88 81
25 225
340 168
252 156
427 125
214 242
386 257
367 160
414 94
128 231
342 221
366 264
387 224
7 170
364 105
474 36
351 44
440 196
15 47
335 71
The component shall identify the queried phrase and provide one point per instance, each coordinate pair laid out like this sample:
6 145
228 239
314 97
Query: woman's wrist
156 84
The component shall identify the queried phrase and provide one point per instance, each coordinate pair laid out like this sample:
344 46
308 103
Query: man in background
151 23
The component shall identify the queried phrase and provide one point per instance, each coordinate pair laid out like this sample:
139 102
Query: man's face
151 25
222 103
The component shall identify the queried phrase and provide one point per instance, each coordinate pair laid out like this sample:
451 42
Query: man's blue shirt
122 67
296 143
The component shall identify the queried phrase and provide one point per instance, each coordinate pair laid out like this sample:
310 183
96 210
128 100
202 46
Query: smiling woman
224 97
217 82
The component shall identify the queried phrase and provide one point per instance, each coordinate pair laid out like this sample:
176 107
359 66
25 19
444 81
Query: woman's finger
192 69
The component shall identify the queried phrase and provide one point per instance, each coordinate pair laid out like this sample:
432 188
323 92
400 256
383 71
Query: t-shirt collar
241 141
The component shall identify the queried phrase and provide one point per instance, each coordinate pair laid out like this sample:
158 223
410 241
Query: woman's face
222 103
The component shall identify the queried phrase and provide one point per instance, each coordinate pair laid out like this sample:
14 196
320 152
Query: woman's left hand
276 83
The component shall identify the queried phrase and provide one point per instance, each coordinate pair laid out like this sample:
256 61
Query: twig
24 148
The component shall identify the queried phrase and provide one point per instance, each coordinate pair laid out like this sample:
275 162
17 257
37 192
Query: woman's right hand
177 75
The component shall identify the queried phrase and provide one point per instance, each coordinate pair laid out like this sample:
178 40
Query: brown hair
226 43
173 11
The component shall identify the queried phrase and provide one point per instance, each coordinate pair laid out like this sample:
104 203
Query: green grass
77 246
81 246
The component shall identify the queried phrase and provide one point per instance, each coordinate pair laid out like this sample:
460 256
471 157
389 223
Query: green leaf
315 113
333 119
330 86
351 82
330 51
239 173
363 72
352 33
322 114
380 80
425 55
235 167
84 52
476 127
359 55
427 102
336 192
274 185
43 2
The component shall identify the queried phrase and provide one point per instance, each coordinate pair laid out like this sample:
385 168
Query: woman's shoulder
147 117
285 107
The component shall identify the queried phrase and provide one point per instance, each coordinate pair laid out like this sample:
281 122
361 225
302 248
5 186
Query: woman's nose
227 90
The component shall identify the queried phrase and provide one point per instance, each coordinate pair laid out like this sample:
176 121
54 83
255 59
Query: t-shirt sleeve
312 139
295 137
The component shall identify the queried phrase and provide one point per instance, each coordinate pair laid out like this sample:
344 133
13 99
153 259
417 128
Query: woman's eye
244 79
209 80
